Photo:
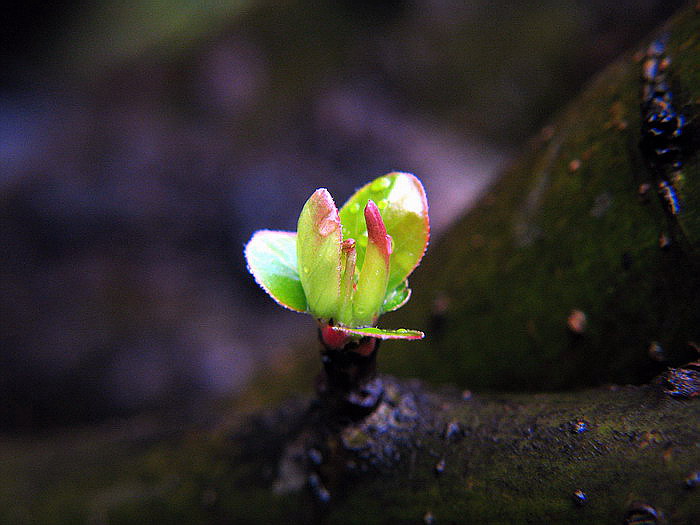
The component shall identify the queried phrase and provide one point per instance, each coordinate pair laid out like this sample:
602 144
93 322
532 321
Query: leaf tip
325 217
376 230
271 260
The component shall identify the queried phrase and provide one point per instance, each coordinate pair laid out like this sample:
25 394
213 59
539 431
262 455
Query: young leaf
380 333
401 199
319 254
374 275
272 259
396 298
347 281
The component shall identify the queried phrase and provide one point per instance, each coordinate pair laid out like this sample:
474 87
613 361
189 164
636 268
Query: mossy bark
564 229
460 458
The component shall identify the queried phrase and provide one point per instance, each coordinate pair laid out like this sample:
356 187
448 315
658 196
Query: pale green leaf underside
272 259
404 209
381 333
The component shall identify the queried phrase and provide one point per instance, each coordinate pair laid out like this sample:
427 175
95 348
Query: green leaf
272 259
401 200
347 282
319 254
380 333
396 298
374 275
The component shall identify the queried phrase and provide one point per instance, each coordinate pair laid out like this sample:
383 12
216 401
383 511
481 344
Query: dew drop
306 269
579 427
692 480
580 497
382 204
380 184
354 207
640 513
429 518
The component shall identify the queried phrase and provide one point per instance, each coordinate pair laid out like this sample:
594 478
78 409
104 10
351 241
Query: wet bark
581 457
348 388
501 292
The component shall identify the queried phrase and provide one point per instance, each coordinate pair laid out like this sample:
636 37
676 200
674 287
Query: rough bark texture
551 236
460 458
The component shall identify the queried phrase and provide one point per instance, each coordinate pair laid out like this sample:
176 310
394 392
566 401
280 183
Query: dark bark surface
582 457
557 278
552 237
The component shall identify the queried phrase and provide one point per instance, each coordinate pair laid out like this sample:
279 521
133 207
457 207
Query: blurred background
142 143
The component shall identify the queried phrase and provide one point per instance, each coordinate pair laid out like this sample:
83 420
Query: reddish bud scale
333 338
376 230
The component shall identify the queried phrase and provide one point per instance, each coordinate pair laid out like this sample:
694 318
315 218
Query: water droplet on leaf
380 184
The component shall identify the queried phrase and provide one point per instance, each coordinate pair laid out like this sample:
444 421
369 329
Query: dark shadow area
139 153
